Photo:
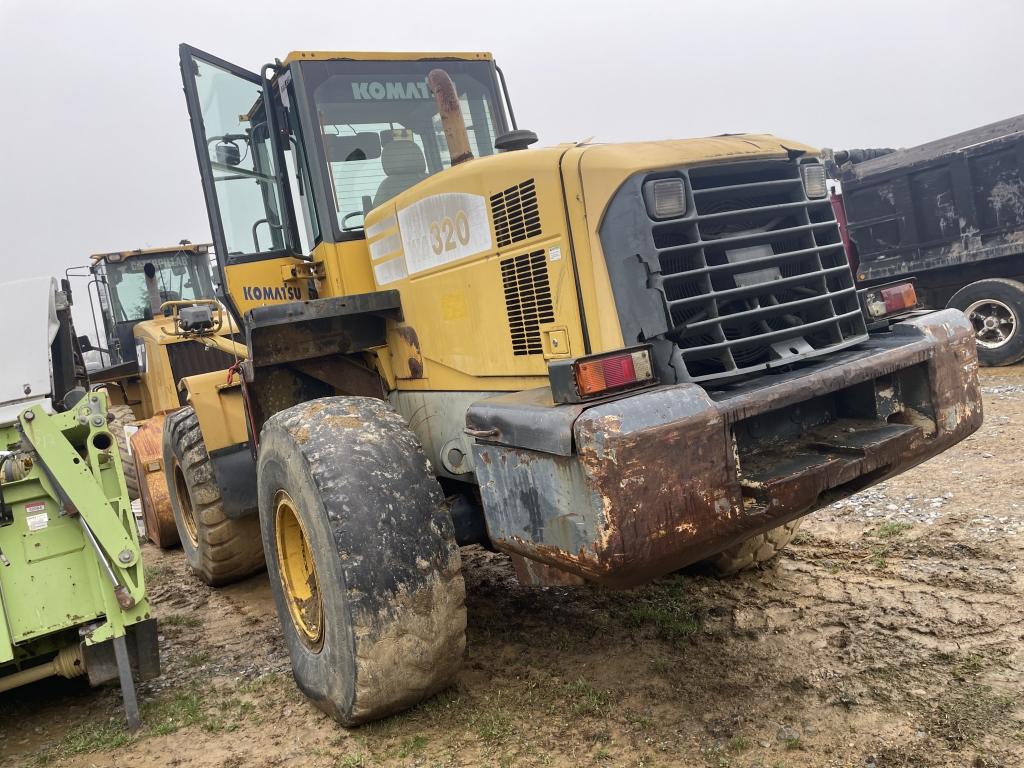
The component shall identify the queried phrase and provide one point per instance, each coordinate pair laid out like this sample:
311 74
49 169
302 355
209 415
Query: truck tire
995 308
219 549
755 550
123 416
361 556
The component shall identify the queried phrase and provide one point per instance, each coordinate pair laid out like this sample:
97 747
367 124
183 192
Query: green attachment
75 568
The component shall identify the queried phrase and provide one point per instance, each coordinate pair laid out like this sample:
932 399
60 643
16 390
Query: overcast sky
97 153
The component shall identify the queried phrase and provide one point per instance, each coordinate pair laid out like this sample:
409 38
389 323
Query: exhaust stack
448 108
152 289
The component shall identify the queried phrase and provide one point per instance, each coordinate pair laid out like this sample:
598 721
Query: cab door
248 199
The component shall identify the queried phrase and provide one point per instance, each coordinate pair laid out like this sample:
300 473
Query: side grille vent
515 213
527 300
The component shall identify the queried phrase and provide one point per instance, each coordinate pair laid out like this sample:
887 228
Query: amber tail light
596 375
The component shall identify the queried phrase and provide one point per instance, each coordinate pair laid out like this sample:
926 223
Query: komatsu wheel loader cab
608 361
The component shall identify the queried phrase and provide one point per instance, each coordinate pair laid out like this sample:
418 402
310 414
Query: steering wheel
346 227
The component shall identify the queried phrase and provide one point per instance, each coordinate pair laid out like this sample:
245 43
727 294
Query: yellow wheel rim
298 573
188 516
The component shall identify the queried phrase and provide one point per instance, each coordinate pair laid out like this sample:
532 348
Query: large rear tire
123 416
995 308
361 556
219 549
755 551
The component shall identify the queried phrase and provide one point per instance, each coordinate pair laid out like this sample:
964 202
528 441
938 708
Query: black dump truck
949 213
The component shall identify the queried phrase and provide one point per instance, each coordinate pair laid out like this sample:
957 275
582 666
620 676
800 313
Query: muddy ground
888 635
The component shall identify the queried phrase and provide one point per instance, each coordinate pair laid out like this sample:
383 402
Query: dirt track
888 635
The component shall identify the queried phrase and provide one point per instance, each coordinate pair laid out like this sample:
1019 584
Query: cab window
379 129
179 277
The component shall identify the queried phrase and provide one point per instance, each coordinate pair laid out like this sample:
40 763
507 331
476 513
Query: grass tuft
668 607
891 529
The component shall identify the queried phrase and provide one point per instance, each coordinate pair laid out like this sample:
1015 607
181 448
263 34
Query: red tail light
899 297
885 300
605 374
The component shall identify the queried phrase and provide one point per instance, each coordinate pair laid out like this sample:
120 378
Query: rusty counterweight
669 476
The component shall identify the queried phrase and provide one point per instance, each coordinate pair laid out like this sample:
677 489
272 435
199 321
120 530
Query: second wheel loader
158 322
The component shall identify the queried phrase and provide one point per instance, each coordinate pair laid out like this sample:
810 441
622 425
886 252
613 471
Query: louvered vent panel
527 300
755 273
515 213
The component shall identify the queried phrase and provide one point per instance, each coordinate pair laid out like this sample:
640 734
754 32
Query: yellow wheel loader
157 321
608 361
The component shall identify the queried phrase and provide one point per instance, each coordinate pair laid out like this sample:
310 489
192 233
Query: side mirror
85 344
228 153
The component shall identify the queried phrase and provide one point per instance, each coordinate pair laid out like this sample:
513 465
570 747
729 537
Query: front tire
219 549
995 308
361 556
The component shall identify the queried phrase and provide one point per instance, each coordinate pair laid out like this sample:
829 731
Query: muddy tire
219 549
361 556
755 550
995 308
123 416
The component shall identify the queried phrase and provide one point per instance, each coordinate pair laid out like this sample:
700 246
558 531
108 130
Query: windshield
179 277
379 129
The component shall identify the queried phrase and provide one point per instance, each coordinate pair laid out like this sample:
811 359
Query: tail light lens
596 375
887 300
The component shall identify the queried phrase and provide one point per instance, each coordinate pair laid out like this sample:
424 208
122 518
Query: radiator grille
515 213
755 273
527 300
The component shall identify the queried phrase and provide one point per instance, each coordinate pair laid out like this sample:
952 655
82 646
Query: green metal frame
56 579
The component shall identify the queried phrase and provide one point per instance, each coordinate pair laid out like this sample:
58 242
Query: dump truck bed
955 201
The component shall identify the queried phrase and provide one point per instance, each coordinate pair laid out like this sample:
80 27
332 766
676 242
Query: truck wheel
219 549
361 556
755 550
123 416
995 308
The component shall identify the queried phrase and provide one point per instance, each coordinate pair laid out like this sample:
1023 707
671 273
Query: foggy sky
97 153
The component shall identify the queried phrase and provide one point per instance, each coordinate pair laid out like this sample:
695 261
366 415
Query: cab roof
123 255
295 56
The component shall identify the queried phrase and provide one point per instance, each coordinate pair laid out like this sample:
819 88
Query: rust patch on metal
408 334
407 349
669 494
147 453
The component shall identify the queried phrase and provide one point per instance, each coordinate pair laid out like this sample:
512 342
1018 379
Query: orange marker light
899 297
